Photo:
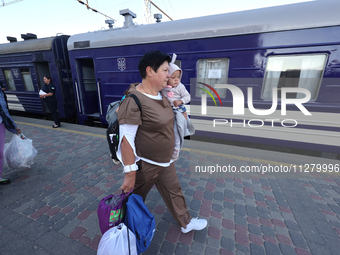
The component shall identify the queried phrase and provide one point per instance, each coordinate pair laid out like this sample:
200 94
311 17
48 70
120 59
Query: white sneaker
116 162
195 224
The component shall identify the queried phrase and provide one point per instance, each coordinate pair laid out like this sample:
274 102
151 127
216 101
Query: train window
302 71
89 78
9 80
27 79
212 71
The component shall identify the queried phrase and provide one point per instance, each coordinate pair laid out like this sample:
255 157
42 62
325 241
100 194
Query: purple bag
111 211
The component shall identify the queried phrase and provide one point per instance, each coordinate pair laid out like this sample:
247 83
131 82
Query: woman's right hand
129 182
18 131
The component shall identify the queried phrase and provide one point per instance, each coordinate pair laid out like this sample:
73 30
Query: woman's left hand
18 131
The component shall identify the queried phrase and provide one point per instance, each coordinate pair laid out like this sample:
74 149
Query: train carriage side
304 58
100 77
255 50
23 65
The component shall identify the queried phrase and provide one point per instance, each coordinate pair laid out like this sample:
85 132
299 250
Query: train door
88 87
42 70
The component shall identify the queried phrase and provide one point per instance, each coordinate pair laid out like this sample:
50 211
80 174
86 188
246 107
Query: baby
178 96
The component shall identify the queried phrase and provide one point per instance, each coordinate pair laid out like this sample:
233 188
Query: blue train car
290 53
23 65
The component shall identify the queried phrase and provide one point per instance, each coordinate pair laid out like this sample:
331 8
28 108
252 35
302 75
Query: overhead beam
12 2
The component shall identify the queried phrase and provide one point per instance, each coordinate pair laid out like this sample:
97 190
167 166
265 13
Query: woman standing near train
51 100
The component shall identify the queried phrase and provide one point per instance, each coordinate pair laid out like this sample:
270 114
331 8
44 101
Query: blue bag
140 221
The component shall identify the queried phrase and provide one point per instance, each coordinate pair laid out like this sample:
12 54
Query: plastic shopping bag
115 241
19 152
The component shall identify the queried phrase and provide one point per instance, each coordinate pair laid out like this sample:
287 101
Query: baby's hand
177 102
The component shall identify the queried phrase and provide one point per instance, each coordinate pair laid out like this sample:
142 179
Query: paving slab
50 208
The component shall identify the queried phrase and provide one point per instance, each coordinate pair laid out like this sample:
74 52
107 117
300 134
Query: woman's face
47 81
161 77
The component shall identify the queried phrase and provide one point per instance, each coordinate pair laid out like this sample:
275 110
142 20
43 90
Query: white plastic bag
19 152
115 242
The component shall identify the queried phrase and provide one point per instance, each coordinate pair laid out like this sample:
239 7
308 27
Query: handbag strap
127 219
125 195
127 229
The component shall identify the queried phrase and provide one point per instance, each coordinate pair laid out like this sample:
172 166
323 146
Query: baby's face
175 79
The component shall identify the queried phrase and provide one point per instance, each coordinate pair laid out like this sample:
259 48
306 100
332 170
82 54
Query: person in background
148 137
3 91
2 86
51 100
6 122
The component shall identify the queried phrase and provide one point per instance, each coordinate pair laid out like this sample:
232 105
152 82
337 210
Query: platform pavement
51 207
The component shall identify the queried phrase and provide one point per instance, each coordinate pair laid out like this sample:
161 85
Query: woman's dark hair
154 59
48 77
126 91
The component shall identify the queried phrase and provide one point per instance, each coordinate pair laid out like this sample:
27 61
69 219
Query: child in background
178 96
